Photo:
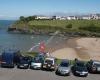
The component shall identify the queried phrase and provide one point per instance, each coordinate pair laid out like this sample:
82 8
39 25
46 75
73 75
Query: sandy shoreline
81 48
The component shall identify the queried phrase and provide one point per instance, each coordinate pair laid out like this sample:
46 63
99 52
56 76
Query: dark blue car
9 58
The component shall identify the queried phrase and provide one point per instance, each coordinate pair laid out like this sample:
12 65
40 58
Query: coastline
70 46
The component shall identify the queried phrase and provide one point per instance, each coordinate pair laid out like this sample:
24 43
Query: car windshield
23 61
37 60
64 64
39 55
25 58
49 61
80 64
97 64
82 68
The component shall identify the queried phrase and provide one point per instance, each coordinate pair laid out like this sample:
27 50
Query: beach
71 48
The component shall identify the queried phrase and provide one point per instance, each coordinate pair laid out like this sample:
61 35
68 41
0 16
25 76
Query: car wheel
86 75
56 72
68 74
53 70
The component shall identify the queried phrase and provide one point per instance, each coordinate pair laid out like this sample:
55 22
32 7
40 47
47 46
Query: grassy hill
82 26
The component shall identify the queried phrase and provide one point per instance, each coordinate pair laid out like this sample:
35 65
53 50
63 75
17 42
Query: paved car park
28 74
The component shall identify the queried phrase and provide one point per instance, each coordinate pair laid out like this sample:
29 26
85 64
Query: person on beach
47 54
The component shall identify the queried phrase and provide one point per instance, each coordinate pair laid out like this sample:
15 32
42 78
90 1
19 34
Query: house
86 17
95 16
63 18
91 16
58 18
78 17
43 17
71 18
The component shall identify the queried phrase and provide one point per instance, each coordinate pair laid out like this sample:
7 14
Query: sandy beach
81 48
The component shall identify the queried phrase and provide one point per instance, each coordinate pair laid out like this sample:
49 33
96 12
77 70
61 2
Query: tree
34 17
22 18
29 18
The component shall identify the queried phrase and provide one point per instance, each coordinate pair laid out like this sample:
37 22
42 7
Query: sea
23 42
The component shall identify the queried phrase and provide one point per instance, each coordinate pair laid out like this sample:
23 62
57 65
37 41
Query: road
21 74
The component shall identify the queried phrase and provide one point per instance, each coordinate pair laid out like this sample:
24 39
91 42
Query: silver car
93 66
64 68
37 62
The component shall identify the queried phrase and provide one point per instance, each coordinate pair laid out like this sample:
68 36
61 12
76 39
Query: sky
12 9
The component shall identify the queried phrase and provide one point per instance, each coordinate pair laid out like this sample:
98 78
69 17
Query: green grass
47 26
64 23
58 23
58 61
32 54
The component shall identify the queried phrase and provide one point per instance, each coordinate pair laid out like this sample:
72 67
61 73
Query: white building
43 17
63 18
86 17
58 17
95 16
91 16
71 18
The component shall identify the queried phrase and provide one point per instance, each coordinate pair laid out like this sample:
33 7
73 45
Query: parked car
93 66
24 63
9 58
49 64
64 68
37 62
40 55
80 69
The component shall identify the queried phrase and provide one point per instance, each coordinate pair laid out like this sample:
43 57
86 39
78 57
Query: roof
49 58
95 61
65 60
82 62
11 51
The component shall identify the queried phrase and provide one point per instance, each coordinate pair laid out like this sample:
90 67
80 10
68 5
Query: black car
24 63
80 69
93 66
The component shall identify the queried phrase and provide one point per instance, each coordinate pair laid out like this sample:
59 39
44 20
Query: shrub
69 26
91 28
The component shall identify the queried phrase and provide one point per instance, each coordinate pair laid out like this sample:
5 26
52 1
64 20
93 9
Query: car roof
98 62
49 58
65 61
80 62
95 60
39 55
10 51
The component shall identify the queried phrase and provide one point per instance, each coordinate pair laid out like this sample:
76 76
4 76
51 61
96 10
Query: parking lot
28 74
